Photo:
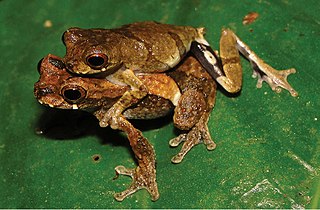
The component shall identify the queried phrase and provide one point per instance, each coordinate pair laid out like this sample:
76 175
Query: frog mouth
53 102
49 100
48 96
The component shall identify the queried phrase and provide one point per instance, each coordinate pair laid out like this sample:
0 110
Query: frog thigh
191 106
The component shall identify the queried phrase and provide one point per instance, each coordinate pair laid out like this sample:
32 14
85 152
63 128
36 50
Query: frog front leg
136 93
144 175
227 69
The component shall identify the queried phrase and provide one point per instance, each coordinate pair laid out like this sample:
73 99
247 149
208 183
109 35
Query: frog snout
40 92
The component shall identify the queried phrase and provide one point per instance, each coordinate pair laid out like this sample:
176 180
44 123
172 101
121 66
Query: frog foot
276 79
140 180
112 121
110 117
198 134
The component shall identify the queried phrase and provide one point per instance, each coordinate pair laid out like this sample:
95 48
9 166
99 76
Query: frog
108 59
187 89
121 54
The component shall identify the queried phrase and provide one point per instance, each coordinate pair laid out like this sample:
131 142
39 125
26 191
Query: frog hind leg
227 69
276 79
144 175
196 123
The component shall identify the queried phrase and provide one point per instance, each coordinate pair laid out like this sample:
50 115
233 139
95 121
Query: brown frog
121 54
188 88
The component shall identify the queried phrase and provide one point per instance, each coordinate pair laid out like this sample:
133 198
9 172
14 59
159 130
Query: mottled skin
121 54
140 71
54 81
195 104
142 47
188 84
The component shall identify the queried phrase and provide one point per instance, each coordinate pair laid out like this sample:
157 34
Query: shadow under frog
64 125
188 88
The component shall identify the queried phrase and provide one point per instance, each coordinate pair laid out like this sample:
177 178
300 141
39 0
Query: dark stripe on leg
203 53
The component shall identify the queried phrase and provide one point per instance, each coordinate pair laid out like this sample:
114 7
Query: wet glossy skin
189 87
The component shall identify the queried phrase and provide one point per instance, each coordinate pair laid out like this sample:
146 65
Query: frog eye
97 60
73 94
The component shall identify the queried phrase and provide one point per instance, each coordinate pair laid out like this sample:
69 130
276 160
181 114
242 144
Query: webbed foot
144 175
140 180
198 134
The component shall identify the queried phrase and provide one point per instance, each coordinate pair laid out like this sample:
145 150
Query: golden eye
97 60
73 94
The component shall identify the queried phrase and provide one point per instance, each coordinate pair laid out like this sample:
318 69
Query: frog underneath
189 82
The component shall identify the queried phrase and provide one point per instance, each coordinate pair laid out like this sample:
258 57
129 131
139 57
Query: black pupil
72 94
96 60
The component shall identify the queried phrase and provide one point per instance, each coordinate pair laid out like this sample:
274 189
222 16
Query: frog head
91 51
58 88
